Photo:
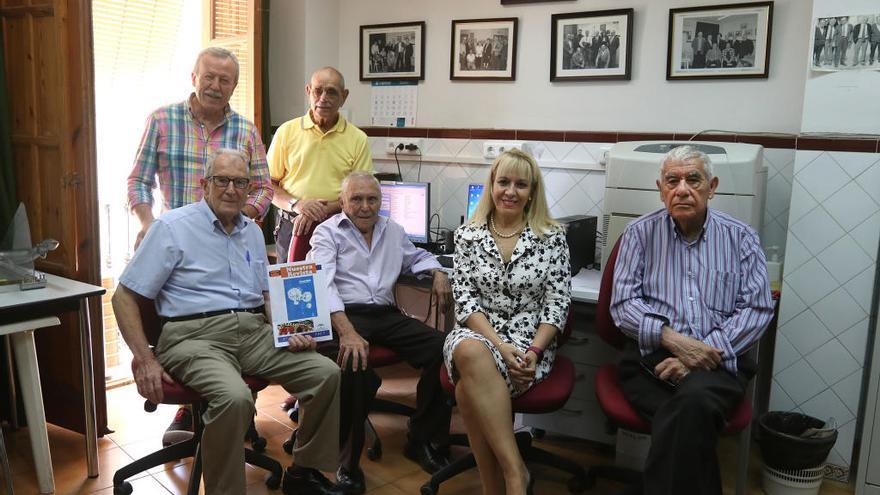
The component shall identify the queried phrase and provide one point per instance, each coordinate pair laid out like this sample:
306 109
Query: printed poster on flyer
298 297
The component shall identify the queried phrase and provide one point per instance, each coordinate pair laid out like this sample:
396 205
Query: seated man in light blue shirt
363 255
205 266
691 291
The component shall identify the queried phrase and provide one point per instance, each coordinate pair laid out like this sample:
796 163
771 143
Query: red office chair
176 393
619 411
546 397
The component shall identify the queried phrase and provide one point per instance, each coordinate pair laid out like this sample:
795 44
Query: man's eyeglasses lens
238 182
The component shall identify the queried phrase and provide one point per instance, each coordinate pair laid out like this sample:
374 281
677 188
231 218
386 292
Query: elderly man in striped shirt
691 291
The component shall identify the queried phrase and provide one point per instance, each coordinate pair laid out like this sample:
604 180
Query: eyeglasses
223 181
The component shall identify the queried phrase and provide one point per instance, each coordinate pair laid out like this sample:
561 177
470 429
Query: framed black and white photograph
845 42
720 41
393 52
587 46
483 50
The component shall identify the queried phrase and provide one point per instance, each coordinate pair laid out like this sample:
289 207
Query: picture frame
392 52
514 2
728 41
483 49
591 46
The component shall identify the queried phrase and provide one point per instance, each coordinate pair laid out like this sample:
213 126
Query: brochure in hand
298 297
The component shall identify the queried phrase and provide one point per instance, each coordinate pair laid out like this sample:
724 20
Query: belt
195 316
287 215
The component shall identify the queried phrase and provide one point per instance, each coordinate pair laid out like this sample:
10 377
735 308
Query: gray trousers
210 354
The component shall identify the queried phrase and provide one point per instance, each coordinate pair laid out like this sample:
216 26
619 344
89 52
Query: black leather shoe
351 482
306 481
424 454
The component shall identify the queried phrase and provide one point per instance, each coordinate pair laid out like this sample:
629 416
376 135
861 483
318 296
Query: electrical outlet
491 149
411 146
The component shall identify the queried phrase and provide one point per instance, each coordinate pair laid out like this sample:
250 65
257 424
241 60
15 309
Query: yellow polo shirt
310 164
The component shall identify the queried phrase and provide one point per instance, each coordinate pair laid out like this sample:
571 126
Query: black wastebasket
782 445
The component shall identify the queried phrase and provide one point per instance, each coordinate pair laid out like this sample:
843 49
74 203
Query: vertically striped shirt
175 147
713 289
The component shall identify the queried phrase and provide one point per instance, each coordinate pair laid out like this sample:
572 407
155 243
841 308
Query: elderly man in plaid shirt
174 148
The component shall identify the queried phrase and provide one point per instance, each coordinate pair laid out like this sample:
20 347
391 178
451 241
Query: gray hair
359 175
687 153
236 154
334 70
219 52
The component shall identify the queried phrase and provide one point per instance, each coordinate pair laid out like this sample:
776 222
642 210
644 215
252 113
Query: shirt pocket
260 280
721 291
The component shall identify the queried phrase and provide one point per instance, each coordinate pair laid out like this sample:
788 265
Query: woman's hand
517 365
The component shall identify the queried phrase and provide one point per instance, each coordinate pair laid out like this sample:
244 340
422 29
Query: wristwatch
291 203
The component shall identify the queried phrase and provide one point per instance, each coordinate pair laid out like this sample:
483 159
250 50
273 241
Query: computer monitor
473 198
408 204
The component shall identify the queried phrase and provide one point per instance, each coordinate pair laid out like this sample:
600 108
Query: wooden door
48 53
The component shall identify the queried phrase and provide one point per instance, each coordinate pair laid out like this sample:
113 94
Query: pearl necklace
499 234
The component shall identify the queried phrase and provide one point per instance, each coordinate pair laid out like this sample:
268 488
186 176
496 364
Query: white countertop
56 288
585 286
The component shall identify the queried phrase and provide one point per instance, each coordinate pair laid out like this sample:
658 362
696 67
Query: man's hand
144 213
302 224
148 376
442 291
693 353
671 369
140 236
298 343
315 209
352 345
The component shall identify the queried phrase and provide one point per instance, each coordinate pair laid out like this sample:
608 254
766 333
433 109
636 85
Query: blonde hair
536 212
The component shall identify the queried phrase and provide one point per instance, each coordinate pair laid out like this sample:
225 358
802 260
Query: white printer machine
633 168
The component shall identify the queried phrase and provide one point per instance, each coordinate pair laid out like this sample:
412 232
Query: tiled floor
137 433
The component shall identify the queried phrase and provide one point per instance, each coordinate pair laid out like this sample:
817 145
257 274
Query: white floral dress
533 288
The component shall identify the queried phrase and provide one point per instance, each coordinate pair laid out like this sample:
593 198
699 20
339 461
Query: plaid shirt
175 147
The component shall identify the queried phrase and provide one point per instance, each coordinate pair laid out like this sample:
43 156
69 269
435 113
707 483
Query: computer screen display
408 204
474 193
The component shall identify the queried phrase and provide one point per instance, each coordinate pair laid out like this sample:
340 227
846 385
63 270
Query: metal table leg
88 382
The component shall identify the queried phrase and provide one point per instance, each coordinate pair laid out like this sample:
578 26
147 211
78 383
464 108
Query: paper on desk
298 300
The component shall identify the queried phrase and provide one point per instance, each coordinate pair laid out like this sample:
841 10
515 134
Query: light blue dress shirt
356 273
189 264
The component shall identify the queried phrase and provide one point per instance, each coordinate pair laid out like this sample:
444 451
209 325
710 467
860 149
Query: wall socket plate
491 149
392 143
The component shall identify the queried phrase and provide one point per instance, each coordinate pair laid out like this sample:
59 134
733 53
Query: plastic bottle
774 268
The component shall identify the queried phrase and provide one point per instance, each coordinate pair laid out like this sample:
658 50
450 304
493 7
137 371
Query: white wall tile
838 311
850 206
778 195
854 163
806 332
845 440
861 287
827 405
822 177
867 235
800 382
855 339
796 254
558 182
790 304
844 259
779 399
811 281
817 230
870 181
850 391
557 151
802 202
784 354
832 362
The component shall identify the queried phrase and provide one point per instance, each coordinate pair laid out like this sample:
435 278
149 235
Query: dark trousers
419 345
284 251
685 421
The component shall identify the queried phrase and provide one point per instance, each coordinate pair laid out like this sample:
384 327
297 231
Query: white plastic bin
793 481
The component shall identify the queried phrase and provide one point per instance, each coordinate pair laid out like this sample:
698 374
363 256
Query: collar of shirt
341 221
308 123
227 112
206 210
676 234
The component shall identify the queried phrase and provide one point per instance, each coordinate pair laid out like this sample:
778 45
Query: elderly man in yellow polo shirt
308 158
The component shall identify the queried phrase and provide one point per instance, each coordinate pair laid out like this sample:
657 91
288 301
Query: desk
23 311
585 286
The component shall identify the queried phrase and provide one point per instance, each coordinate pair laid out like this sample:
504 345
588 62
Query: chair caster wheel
123 489
273 482
374 453
293 414
538 433
427 489
288 444
258 444
577 484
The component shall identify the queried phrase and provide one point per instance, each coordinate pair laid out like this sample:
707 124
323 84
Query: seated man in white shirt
363 255
205 265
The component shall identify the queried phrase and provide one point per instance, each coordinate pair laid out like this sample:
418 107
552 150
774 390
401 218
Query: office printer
634 167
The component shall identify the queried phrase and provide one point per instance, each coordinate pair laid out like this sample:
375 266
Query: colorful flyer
298 301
